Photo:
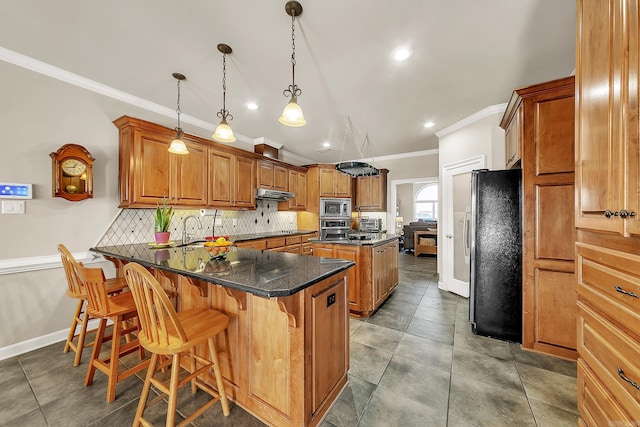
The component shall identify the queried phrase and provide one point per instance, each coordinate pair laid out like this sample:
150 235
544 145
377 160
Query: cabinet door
599 157
632 167
378 195
301 195
280 178
152 168
221 178
342 184
245 182
363 191
379 273
327 188
513 139
189 176
322 252
353 284
329 335
265 174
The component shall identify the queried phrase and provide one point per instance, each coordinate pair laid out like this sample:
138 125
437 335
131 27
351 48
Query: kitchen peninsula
285 354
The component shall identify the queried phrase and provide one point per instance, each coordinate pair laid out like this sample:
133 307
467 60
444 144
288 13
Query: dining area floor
415 362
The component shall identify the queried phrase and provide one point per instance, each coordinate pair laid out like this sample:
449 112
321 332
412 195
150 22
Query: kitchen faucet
184 227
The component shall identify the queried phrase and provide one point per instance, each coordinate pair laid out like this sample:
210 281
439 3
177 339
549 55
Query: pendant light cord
179 128
293 90
224 113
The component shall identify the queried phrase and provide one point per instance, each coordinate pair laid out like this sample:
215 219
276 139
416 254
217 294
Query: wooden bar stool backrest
97 296
155 311
74 282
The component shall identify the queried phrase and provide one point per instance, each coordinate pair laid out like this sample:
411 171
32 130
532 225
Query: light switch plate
13 206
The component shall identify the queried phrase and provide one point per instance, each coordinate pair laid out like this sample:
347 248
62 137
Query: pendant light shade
292 115
177 145
223 132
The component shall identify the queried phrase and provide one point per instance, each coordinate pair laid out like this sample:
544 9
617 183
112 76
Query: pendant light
177 145
292 114
223 132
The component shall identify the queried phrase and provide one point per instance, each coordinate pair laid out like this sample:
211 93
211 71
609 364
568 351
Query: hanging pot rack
356 169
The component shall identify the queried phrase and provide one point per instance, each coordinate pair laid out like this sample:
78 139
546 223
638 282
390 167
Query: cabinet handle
609 214
625 378
622 291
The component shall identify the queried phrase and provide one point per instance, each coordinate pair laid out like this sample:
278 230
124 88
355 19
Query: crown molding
484 113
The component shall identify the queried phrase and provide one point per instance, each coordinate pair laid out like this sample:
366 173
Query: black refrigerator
495 303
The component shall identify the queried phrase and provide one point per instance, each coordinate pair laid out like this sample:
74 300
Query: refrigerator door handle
466 233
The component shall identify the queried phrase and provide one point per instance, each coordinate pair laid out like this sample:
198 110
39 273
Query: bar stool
119 309
166 332
77 291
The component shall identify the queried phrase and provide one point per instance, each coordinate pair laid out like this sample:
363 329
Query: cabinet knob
609 214
625 213
449 236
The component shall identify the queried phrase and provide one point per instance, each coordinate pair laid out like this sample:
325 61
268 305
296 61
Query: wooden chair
76 290
120 309
163 331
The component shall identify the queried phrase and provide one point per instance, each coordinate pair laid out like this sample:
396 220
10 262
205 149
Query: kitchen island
375 276
285 354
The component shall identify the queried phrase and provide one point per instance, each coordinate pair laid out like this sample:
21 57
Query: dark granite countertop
267 234
263 273
376 239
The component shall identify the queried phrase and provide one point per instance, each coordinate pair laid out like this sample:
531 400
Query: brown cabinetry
231 180
149 173
297 186
373 278
371 192
330 181
297 244
272 176
513 138
541 120
606 212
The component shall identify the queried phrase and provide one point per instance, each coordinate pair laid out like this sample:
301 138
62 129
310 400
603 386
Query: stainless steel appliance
267 194
335 208
334 229
495 302
370 225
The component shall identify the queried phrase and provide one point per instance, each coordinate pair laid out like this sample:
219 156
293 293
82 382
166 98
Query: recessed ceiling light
252 106
402 53
429 124
326 144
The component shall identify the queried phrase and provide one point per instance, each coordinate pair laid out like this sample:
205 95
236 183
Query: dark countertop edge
372 243
256 236
235 285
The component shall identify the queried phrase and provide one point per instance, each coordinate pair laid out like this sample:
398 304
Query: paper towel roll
208 212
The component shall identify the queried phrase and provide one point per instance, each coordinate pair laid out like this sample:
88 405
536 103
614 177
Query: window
426 205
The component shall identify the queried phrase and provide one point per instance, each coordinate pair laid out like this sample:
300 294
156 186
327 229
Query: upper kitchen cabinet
512 133
541 119
607 157
272 176
232 179
297 186
371 192
149 173
332 182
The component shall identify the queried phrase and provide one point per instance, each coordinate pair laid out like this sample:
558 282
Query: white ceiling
468 55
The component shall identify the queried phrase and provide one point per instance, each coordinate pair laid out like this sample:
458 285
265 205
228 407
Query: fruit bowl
218 248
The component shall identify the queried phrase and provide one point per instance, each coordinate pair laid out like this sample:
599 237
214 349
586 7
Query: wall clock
72 173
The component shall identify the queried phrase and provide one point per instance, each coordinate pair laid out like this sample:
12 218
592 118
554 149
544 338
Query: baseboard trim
39 342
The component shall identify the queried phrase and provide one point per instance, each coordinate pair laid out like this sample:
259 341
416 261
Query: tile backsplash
136 225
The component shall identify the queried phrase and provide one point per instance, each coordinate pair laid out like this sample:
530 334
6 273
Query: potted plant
164 214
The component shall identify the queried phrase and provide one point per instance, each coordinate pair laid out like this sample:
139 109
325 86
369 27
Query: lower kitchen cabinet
374 277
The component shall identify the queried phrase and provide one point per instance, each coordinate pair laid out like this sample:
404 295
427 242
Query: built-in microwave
335 208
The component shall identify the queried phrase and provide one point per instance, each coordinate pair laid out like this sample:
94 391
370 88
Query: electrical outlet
218 222
331 299
234 222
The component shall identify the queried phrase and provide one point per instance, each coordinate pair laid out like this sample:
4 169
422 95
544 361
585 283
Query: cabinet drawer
293 240
252 244
610 280
275 242
596 405
613 357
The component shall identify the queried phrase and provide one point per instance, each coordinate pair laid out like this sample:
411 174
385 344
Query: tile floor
414 363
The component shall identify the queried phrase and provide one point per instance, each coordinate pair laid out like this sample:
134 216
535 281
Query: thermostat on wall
12 190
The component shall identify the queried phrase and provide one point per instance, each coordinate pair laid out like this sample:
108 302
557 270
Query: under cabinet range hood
266 194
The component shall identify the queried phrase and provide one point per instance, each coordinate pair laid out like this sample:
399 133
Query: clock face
73 167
